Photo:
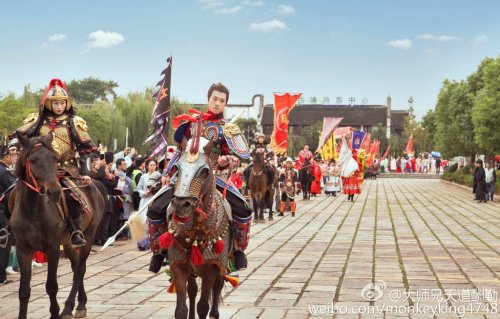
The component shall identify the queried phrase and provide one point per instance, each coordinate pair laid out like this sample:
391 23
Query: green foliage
429 125
421 141
486 112
467 169
310 136
248 126
453 168
454 129
467 114
89 90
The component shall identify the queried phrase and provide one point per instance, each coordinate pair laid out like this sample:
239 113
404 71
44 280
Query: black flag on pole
161 112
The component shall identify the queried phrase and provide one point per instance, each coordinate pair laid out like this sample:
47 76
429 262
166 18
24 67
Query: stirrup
77 239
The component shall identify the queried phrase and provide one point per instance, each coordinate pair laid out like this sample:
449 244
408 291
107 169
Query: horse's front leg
216 294
192 290
51 285
79 269
24 256
208 276
180 280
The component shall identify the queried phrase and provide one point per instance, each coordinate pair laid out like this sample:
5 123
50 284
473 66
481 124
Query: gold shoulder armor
28 122
30 118
80 123
231 129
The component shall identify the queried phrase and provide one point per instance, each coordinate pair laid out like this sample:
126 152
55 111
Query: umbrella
435 154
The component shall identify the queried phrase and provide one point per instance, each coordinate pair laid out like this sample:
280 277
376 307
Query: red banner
366 144
409 146
283 104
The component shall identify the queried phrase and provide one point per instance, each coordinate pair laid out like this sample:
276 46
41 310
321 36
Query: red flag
366 144
409 146
283 104
386 151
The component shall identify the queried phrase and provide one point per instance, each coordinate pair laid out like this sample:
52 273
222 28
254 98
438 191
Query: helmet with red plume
56 91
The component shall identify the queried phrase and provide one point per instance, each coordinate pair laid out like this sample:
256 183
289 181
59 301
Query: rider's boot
282 209
293 207
77 238
241 232
156 228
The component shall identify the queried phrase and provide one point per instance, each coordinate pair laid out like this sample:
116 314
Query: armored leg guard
293 208
77 238
156 228
282 208
241 232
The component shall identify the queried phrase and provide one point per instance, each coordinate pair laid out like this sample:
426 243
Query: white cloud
480 39
268 26
439 38
403 44
284 9
253 3
228 10
102 39
57 37
210 4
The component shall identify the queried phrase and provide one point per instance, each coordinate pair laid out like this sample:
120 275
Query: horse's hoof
82 313
70 316
271 219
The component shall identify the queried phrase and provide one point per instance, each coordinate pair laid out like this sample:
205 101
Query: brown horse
39 207
200 241
262 193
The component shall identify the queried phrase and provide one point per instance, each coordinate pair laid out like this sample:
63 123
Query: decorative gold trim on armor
230 129
28 122
81 129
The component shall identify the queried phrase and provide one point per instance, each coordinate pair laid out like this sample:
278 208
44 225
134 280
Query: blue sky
364 49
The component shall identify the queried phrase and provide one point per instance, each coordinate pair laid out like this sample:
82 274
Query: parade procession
122 196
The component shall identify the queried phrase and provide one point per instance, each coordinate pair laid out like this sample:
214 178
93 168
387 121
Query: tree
429 125
248 126
486 112
309 136
89 90
421 140
454 129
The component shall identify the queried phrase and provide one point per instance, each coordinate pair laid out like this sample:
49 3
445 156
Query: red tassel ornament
196 256
166 240
171 289
219 246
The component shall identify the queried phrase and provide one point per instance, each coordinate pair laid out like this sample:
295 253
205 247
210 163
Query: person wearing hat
8 157
56 116
288 184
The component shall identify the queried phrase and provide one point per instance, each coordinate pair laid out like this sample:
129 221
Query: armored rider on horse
260 144
229 143
70 138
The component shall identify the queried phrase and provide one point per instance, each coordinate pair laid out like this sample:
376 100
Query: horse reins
34 186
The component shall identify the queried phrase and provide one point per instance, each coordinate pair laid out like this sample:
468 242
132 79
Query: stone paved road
421 236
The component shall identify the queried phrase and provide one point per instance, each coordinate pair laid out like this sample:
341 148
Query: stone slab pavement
405 248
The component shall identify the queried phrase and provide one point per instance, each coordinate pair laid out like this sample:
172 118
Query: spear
134 217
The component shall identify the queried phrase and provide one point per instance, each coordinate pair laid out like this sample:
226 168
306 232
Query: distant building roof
356 115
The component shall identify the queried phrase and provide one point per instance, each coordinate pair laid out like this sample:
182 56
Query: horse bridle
34 186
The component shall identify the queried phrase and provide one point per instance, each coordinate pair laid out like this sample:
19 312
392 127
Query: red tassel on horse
219 246
166 240
196 256
171 289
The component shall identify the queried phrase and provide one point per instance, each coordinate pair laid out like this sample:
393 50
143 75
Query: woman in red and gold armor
71 141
